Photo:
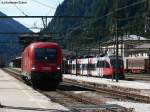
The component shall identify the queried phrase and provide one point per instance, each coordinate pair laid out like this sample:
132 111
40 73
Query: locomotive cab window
46 54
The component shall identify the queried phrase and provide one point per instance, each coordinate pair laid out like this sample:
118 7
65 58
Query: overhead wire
119 9
133 4
99 18
44 4
19 9
51 7
36 2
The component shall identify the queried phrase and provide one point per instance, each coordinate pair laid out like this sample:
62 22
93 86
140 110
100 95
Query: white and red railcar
97 66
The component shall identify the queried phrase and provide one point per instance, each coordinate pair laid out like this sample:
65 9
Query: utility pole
148 7
148 15
99 47
116 40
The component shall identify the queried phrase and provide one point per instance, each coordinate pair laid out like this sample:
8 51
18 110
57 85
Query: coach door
99 68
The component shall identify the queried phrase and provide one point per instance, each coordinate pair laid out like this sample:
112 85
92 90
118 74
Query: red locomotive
41 64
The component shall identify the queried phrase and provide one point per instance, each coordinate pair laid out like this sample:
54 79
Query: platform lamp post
99 47
116 43
76 51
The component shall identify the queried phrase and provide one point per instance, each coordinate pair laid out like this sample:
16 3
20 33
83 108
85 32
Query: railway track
125 93
77 102
142 77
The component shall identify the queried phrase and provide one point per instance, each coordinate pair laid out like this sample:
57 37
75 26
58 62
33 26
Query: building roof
67 52
127 39
146 45
132 37
142 47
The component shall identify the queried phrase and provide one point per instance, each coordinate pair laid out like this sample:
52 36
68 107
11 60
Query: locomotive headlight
33 67
58 68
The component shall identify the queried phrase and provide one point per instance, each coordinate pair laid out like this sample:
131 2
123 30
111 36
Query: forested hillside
9 43
130 16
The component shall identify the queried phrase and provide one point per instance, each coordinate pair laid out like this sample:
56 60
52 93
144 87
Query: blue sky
30 8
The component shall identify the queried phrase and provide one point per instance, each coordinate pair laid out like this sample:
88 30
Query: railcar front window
120 63
102 64
46 54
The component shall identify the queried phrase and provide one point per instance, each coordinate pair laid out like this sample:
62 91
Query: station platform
15 96
142 88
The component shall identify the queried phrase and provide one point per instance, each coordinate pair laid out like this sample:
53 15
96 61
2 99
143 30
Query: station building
129 46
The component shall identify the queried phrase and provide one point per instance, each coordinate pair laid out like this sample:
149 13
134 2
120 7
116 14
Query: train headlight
58 68
33 67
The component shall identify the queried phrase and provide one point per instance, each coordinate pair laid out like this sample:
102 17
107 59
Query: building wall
125 50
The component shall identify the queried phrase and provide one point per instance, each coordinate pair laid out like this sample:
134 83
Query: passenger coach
104 66
41 64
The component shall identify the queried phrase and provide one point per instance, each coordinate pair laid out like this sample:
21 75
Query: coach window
84 66
70 66
91 66
74 66
78 66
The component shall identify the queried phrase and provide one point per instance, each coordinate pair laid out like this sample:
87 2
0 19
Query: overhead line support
75 17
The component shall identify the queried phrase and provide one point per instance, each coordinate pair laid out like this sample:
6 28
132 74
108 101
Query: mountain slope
130 19
9 46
